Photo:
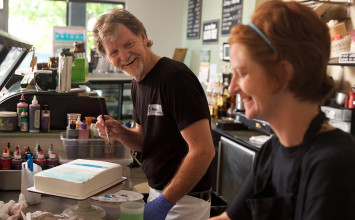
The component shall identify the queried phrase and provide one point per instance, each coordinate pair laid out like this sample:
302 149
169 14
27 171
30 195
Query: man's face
128 52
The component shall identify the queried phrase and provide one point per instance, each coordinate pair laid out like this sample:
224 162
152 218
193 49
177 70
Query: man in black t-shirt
172 119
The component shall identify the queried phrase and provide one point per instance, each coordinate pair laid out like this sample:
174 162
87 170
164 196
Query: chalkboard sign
194 19
231 15
210 31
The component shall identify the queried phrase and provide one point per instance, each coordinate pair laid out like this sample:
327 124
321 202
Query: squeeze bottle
21 107
45 119
34 116
6 159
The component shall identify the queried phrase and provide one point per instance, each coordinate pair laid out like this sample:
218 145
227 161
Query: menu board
210 31
194 19
231 15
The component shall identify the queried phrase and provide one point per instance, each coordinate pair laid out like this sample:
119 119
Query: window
33 21
94 10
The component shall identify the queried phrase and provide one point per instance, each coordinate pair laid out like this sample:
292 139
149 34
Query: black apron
263 203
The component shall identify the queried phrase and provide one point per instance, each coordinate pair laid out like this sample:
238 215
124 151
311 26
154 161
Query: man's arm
222 216
194 166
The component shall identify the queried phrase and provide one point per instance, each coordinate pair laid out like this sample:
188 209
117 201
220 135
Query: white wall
163 20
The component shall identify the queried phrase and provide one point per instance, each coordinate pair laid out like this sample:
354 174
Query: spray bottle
34 116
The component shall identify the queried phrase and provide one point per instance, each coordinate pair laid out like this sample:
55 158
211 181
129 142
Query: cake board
84 207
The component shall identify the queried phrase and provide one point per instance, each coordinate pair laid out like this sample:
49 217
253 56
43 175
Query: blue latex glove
157 209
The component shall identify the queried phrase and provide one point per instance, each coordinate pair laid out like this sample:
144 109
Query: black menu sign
210 31
194 19
231 15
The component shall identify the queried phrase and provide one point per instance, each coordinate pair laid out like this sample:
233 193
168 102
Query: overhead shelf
335 62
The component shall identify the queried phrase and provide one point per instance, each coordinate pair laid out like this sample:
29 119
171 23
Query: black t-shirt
327 184
166 101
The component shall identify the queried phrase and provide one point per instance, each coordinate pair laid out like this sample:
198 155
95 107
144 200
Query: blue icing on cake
89 165
75 175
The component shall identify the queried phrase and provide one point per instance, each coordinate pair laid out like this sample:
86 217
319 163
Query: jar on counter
8 121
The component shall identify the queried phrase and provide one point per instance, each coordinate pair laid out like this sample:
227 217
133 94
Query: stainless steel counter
240 136
57 205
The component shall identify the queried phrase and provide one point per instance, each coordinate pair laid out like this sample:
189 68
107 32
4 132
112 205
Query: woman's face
250 81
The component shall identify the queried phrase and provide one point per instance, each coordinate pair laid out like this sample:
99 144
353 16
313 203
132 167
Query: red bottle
6 160
41 161
17 160
52 161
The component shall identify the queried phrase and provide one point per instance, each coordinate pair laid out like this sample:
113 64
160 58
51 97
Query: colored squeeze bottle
34 116
52 161
17 160
21 107
84 148
71 147
45 119
27 151
37 149
41 161
24 121
78 123
88 121
6 159
49 151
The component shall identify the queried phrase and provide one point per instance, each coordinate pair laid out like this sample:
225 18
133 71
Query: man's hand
222 216
157 209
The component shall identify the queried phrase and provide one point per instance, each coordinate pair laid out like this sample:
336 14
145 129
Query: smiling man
172 120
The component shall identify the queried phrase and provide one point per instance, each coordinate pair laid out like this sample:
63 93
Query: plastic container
98 143
8 121
131 211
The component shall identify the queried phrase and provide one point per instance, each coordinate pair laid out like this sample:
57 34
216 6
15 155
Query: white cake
78 178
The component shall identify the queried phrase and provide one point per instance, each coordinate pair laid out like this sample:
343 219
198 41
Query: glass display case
116 89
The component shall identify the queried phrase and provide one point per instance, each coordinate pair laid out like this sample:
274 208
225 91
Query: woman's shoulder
333 145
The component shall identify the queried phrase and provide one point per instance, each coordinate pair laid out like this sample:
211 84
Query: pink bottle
22 106
84 147
52 160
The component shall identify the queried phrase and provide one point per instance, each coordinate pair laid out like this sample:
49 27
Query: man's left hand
157 209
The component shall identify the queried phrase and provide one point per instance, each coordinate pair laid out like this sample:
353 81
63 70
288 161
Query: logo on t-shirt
155 109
